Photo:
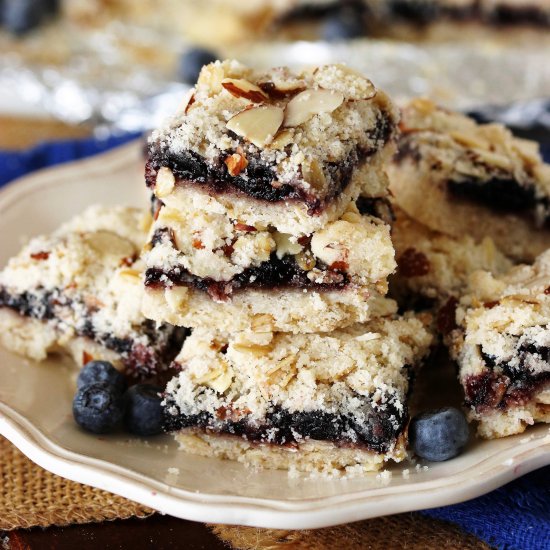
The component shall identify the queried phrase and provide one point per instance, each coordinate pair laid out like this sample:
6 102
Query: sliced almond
222 382
236 163
187 101
314 175
244 88
469 140
309 103
210 78
282 139
258 124
281 82
165 182
282 89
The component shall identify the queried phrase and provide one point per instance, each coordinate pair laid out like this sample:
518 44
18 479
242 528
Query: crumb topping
85 277
300 125
467 153
251 373
211 245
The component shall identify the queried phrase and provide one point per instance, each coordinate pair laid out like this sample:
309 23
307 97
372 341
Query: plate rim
266 513
310 513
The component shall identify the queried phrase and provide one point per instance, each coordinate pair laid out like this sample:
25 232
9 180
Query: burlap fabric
31 496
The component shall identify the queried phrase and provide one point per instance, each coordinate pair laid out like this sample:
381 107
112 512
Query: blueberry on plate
143 410
101 372
344 25
192 61
439 435
22 16
98 408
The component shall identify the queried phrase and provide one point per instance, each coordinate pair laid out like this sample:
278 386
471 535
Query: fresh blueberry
101 372
143 410
344 25
439 435
22 16
192 61
98 408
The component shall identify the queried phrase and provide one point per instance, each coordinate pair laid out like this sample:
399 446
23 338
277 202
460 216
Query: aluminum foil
122 78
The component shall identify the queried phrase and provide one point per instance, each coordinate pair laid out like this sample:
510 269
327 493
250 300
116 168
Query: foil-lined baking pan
124 78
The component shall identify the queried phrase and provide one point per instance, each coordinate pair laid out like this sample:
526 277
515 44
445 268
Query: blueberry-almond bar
462 178
79 290
196 254
502 347
288 150
311 402
433 269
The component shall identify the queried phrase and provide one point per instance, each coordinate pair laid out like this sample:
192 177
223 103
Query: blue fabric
514 517
14 164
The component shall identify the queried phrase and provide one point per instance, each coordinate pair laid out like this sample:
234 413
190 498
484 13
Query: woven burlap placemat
33 497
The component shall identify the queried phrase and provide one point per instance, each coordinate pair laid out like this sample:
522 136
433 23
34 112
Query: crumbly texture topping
251 373
462 151
502 345
211 245
502 313
88 270
300 125
437 266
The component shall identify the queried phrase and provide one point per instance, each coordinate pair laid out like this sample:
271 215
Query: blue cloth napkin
514 517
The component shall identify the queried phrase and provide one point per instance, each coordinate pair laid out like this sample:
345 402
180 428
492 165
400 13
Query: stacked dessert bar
267 242
78 291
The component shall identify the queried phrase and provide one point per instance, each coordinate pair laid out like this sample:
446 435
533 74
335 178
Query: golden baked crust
502 348
460 178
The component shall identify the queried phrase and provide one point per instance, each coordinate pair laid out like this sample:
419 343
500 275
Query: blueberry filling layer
140 359
316 10
378 207
502 194
377 430
275 273
260 181
506 384
425 11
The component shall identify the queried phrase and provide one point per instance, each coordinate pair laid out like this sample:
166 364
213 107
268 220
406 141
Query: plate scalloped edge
488 473
258 512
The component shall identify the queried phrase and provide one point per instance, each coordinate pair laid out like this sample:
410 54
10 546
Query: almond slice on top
257 124
244 88
309 103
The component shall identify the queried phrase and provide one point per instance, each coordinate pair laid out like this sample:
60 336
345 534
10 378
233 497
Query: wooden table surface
160 532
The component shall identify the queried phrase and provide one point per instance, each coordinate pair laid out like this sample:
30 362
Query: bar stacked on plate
268 242
472 201
78 291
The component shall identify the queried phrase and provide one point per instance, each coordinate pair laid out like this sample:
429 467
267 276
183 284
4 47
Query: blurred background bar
123 65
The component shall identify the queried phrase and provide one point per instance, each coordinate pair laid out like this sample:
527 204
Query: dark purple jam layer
496 193
319 11
261 179
423 12
276 273
504 385
377 433
379 207
140 360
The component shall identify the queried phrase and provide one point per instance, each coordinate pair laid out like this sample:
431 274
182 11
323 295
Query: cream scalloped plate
35 410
